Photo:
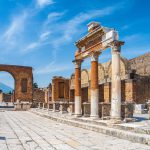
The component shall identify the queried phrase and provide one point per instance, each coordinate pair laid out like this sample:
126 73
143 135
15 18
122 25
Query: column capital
77 63
116 49
94 56
116 46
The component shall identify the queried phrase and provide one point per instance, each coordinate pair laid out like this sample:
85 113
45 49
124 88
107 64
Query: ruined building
135 81
113 83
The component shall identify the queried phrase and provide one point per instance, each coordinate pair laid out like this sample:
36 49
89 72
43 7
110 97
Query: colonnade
115 84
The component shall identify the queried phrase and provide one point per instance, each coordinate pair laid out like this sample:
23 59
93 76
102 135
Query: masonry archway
23 79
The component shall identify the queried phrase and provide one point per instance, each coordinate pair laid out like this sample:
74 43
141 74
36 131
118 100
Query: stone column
116 84
43 105
78 107
94 86
53 94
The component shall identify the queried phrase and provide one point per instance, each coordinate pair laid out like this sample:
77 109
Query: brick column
78 107
116 84
94 86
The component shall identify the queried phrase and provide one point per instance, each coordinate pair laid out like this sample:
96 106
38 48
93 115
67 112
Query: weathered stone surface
60 89
124 131
23 81
63 107
134 84
38 95
42 133
141 64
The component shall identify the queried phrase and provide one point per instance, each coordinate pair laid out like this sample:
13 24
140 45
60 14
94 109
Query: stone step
119 133
118 126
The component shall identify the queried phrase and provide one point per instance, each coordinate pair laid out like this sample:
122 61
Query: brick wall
135 85
60 89
39 95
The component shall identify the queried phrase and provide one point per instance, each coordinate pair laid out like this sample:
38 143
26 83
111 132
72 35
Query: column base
77 115
94 117
115 120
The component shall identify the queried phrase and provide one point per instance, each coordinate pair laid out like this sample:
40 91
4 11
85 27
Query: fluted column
94 86
116 84
78 108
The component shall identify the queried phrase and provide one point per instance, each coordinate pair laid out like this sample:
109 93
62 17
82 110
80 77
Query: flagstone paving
27 131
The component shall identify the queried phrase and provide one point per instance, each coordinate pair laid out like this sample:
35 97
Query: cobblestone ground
27 131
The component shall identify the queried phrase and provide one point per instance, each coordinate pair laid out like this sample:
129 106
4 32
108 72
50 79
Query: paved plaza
27 131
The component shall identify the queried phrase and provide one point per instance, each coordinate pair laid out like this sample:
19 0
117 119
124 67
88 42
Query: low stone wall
105 110
22 106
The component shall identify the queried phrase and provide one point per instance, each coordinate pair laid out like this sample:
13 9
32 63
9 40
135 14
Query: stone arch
20 75
84 77
124 68
101 72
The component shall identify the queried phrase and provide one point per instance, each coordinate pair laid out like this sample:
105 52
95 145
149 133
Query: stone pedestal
104 110
17 106
43 106
86 109
26 106
71 108
40 105
56 106
63 107
22 106
50 105
127 110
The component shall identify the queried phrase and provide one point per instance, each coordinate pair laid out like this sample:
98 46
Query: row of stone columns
116 85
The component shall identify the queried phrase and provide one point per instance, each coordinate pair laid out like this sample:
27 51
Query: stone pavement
27 131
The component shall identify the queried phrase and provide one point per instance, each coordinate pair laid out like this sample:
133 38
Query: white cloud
30 47
53 67
43 3
54 15
74 26
16 26
44 35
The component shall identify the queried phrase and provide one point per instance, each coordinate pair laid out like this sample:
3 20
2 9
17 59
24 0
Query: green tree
35 85
10 92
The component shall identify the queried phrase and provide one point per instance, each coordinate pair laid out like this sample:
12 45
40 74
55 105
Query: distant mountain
5 88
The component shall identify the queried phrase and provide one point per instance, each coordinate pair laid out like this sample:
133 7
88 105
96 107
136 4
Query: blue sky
41 33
